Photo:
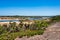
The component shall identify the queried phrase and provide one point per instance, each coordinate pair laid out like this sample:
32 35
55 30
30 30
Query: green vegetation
12 31
55 18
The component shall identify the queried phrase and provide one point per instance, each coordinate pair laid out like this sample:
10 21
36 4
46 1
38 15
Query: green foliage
41 24
55 18
39 32
1 29
13 31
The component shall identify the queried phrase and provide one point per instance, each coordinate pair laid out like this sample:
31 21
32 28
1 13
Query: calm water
9 20
34 18
14 20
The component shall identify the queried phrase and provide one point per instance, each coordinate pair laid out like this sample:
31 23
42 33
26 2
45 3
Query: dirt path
51 33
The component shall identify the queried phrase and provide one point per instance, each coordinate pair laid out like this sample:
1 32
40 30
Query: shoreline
7 23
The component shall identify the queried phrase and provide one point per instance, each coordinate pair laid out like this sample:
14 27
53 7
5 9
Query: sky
30 7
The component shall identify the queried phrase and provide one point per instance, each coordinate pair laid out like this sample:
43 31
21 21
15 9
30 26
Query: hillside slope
51 33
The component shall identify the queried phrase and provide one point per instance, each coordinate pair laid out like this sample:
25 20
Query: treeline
26 16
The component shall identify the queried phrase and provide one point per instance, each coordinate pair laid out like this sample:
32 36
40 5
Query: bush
35 29
40 32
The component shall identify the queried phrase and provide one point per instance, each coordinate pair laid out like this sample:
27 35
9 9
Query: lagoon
9 20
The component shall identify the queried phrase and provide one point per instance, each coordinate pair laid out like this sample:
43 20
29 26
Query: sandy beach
7 23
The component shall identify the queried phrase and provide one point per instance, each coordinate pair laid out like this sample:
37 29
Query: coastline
7 23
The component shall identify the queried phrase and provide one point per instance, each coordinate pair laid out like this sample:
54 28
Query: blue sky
30 7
